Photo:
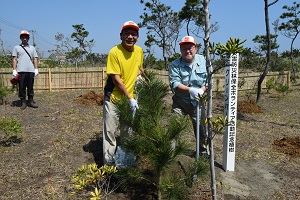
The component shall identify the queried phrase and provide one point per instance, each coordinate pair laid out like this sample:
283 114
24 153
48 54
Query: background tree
75 54
163 26
192 12
96 59
84 48
149 60
268 39
5 61
290 28
249 59
65 45
276 25
262 40
263 49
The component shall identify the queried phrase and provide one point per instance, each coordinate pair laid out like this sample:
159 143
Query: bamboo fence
55 79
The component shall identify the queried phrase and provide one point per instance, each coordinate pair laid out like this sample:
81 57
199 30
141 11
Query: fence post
50 79
102 78
288 81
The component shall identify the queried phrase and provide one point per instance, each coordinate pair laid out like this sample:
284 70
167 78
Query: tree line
163 31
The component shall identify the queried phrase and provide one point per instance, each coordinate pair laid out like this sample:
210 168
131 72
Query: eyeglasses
187 48
133 34
24 36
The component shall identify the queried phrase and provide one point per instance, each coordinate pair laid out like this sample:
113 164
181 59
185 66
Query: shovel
198 118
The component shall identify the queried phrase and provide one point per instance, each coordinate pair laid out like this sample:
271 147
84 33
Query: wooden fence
54 79
247 80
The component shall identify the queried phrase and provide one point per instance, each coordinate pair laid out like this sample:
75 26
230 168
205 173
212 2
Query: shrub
91 177
3 92
10 131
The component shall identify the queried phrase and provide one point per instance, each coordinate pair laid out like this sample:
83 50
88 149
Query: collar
22 45
190 65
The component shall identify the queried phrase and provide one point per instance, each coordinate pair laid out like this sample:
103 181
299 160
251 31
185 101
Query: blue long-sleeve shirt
191 75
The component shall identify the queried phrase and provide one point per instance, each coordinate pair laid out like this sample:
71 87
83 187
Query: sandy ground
261 171
59 137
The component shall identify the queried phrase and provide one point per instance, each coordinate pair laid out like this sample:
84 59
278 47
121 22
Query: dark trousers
26 80
186 108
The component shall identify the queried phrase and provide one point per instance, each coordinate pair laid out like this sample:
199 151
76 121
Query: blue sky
103 19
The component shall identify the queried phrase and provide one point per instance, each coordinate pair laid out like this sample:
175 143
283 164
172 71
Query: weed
10 130
4 91
271 84
241 82
100 179
173 187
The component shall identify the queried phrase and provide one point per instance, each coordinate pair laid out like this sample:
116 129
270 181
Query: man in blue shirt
187 76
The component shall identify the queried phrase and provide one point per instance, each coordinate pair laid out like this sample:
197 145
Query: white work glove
36 72
133 104
139 79
14 73
195 92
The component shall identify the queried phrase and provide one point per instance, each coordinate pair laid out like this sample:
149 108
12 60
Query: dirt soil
61 135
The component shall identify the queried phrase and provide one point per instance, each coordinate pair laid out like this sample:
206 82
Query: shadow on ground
95 147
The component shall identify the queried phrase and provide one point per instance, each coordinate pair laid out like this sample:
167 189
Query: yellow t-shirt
127 65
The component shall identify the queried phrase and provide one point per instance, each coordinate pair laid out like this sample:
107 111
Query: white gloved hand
133 104
139 79
196 92
36 72
14 73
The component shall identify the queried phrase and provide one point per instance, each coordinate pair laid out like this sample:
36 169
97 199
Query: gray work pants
186 108
111 133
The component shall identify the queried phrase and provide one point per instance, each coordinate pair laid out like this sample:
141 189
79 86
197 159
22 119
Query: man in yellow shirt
123 66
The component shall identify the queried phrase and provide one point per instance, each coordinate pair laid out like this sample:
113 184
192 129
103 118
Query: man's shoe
32 103
23 104
111 164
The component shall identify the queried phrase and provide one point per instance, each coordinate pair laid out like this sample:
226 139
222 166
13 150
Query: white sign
230 111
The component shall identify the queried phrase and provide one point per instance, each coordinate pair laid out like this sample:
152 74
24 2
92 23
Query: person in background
123 67
25 65
187 77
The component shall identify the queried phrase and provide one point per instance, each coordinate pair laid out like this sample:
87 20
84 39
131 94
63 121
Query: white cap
187 39
130 24
24 32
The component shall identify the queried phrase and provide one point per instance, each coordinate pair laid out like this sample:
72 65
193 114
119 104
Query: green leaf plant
232 46
10 131
91 176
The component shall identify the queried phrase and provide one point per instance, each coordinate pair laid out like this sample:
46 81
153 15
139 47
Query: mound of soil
90 98
249 107
289 146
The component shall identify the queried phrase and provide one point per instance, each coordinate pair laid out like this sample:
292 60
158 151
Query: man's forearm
35 63
14 64
123 89
183 88
120 85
